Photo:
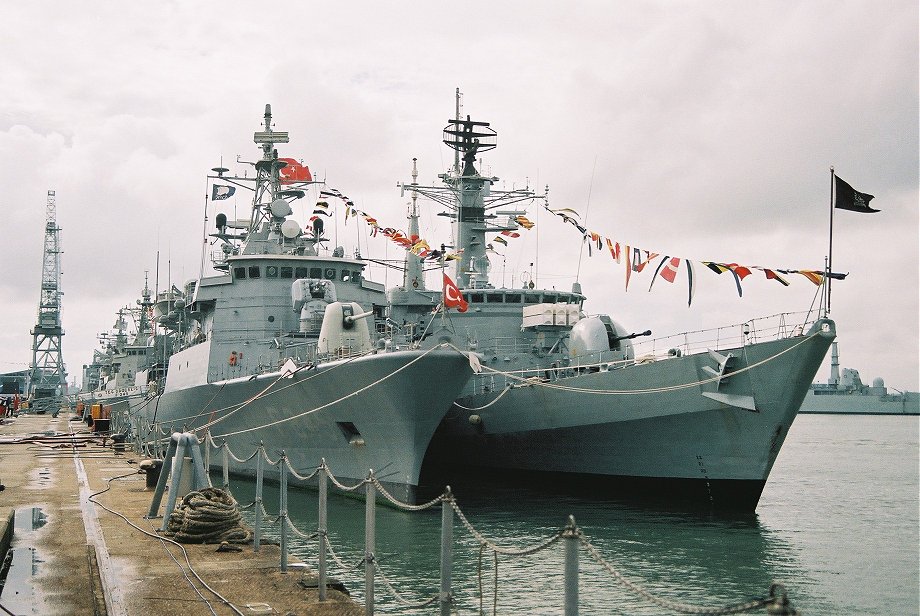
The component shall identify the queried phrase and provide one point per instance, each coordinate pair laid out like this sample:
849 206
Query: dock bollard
152 469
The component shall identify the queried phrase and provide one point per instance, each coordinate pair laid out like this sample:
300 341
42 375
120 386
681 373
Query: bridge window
329 274
513 298
271 271
239 272
286 272
301 272
254 271
316 272
494 298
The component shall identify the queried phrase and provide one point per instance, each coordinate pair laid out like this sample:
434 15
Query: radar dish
290 229
280 208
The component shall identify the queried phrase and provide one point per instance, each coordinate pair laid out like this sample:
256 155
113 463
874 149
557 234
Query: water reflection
685 556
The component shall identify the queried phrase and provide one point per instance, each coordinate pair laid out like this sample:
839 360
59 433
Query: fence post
321 529
257 531
369 513
226 459
282 466
570 539
447 549
207 454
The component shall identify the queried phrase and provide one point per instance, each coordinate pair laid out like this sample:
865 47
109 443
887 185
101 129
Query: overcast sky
703 130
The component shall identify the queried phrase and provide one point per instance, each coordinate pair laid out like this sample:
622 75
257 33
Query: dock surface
88 561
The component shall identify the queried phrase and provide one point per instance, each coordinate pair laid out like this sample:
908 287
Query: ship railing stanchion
447 549
369 539
321 528
282 467
257 527
570 537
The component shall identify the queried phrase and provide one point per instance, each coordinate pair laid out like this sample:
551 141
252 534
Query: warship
279 345
119 368
846 394
573 399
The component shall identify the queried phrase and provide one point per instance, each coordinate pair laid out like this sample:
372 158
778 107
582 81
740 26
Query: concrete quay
88 561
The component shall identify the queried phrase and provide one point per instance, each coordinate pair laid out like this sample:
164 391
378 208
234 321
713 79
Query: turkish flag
452 296
294 172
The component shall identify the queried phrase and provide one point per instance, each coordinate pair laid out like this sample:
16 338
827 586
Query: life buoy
232 360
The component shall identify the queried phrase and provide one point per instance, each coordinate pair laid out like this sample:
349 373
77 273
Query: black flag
849 199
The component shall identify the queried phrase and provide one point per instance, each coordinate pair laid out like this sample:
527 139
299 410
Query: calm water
837 524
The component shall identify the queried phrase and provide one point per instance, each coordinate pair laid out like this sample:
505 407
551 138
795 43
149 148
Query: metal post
282 466
321 530
164 476
207 454
570 537
369 513
226 457
178 463
257 531
447 549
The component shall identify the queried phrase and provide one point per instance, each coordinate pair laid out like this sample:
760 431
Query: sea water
837 525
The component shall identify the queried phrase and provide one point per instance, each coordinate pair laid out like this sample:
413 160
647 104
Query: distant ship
568 397
117 372
845 394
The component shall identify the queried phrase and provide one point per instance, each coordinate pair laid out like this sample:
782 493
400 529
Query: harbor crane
47 377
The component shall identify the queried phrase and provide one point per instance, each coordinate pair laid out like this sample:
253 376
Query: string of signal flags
634 259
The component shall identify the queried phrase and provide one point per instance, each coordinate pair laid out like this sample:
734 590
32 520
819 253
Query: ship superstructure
279 344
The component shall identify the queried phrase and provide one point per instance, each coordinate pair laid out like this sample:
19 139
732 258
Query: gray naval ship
572 399
846 394
119 368
279 346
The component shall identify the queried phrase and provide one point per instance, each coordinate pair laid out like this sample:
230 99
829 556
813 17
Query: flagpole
830 250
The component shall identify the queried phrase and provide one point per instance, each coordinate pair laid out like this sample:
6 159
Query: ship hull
374 412
669 428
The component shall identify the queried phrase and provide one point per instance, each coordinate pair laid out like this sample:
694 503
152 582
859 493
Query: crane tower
48 379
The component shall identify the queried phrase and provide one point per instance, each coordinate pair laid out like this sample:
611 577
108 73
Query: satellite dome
878 382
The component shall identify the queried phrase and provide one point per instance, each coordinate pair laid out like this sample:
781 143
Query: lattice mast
48 377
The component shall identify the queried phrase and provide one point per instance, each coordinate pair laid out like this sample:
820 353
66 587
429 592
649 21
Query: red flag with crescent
294 172
452 296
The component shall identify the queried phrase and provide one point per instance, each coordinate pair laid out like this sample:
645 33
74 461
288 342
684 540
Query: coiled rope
209 515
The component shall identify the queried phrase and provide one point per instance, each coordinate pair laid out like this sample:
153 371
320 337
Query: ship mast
414 276
472 199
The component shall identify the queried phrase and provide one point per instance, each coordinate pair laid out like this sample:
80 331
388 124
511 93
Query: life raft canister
232 360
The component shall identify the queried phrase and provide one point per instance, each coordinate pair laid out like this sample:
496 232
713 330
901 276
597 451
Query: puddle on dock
21 565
